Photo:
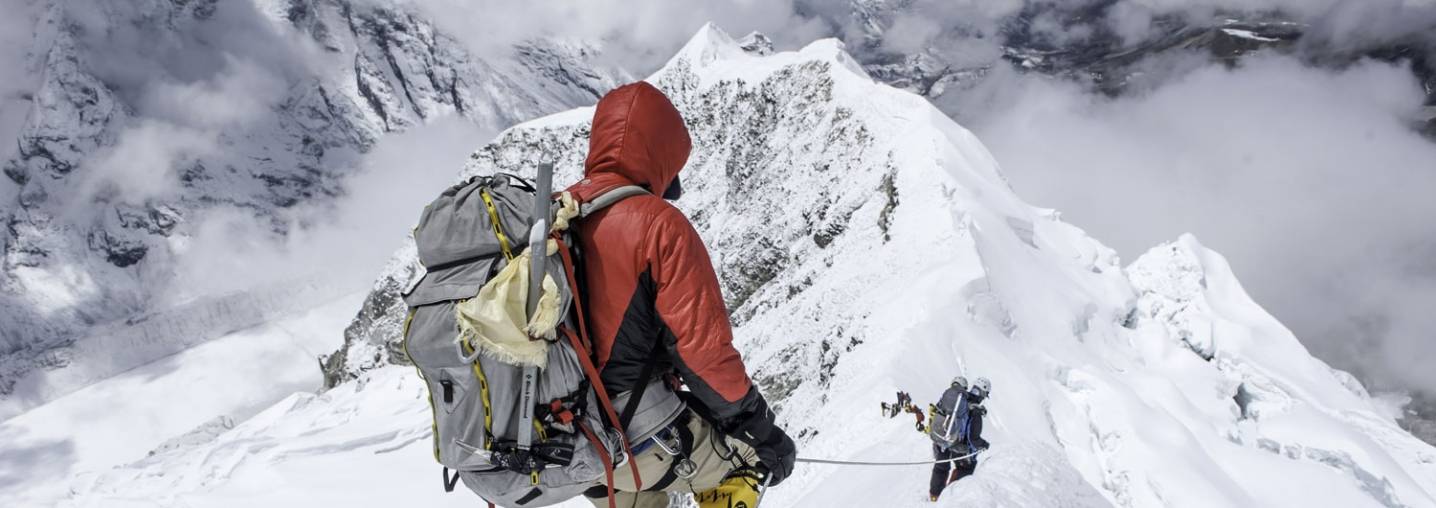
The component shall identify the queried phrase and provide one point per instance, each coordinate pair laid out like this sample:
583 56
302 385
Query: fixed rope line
867 463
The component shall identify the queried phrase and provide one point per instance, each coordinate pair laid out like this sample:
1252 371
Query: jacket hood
639 136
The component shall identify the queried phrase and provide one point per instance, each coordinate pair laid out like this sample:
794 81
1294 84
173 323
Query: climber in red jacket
658 320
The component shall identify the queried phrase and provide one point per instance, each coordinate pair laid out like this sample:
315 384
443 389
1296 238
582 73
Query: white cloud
241 92
343 242
911 33
141 164
1311 181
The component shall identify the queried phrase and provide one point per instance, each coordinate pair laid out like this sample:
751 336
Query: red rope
607 461
586 360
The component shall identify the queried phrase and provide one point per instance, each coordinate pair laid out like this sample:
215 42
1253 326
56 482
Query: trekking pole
538 256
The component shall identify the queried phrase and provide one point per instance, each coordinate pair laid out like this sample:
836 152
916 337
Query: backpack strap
607 462
637 395
450 482
609 198
581 347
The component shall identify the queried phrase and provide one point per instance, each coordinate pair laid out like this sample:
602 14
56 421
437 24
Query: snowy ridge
867 243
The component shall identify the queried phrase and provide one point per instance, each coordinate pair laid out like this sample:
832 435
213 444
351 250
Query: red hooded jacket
651 291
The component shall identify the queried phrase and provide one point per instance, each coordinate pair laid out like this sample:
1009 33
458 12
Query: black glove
980 444
776 451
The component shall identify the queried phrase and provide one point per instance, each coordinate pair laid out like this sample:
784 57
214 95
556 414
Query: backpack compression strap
602 455
569 209
586 360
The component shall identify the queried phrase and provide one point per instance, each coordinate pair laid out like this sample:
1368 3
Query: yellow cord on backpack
498 227
484 397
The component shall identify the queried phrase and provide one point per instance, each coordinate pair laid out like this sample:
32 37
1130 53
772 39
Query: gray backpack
945 425
525 422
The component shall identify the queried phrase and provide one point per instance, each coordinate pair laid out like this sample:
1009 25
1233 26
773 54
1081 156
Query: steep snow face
866 243
147 117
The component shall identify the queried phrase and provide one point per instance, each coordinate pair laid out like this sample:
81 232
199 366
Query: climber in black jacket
956 431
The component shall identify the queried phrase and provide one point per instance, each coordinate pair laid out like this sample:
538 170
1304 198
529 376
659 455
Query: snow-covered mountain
147 117
867 243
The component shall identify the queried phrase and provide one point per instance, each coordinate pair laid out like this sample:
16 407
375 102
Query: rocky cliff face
149 116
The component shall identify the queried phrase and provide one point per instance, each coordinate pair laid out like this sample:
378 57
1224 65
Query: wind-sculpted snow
118 347
866 244
124 154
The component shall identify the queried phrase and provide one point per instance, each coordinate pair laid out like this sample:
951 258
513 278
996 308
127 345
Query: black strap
599 491
669 476
449 483
533 494
685 450
637 396
517 181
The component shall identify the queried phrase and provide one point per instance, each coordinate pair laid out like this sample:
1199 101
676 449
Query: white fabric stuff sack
493 322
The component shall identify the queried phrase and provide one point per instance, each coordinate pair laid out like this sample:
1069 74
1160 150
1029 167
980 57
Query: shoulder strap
598 203
636 396
609 198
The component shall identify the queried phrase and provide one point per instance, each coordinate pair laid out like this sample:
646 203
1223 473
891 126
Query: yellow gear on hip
738 490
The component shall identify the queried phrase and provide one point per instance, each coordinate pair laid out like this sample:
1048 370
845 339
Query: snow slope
164 404
107 350
867 243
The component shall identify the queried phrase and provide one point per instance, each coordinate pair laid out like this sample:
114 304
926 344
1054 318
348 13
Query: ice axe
538 256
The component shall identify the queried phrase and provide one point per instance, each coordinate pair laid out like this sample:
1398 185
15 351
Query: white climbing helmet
960 382
982 386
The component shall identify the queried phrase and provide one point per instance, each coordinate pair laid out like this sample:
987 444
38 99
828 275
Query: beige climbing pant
714 455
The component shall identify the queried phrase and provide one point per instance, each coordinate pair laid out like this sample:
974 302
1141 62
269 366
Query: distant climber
904 401
917 413
956 431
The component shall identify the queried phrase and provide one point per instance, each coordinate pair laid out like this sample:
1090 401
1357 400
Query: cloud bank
1311 181
344 242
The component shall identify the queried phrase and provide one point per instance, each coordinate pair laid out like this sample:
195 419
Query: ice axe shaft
538 256
538 235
